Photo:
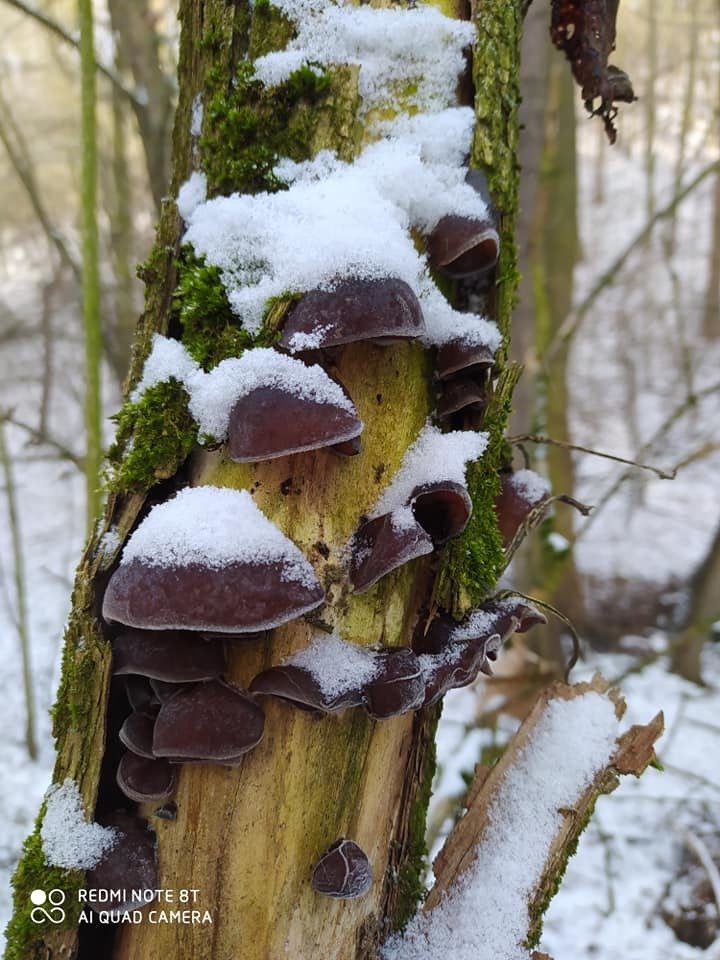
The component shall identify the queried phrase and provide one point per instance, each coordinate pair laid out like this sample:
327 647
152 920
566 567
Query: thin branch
67 37
698 847
544 605
39 437
537 438
569 328
20 594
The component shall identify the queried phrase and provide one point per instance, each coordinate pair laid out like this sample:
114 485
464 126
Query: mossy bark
247 838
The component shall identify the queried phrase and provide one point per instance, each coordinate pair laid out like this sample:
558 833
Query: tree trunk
247 838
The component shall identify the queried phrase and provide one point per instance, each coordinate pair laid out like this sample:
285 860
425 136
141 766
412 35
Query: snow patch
215 527
530 486
168 359
214 394
191 194
434 457
68 840
484 917
336 666
416 54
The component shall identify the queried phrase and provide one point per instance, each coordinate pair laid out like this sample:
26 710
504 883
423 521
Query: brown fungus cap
382 545
459 356
521 491
142 779
399 686
211 722
461 393
462 246
270 422
442 509
176 656
356 309
136 733
130 865
209 560
343 871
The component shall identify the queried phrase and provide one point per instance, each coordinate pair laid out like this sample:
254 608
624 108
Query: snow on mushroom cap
418 46
215 527
530 486
433 458
68 840
336 665
168 359
214 394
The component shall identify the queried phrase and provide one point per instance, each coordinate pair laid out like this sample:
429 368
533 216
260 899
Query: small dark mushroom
442 509
380 310
140 694
398 688
462 246
461 356
168 811
165 689
136 733
128 867
271 422
349 448
176 656
209 560
343 871
381 545
521 492
142 779
461 393
328 675
210 722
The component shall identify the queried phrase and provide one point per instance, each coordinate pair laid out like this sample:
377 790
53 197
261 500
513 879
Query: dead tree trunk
246 838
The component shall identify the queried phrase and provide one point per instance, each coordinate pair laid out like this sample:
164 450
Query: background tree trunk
247 838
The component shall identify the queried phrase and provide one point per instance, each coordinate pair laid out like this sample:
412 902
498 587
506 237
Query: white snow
196 116
444 137
215 527
68 839
168 359
530 486
444 325
191 194
415 53
213 394
484 917
433 457
336 665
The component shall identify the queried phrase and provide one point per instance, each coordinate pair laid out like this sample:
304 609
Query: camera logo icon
47 906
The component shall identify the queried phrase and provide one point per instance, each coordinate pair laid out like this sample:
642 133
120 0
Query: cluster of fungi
174 610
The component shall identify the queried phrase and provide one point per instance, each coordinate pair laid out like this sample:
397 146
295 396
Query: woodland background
619 328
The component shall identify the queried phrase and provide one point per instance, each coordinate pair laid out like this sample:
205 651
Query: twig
60 31
572 323
20 595
42 438
538 438
698 847
544 605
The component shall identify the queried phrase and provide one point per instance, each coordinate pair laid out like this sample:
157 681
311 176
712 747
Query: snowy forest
359 435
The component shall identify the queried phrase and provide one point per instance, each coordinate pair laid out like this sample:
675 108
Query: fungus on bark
270 405
383 311
136 733
452 653
328 675
461 393
399 686
210 722
174 656
209 560
343 871
462 356
521 492
142 779
140 695
129 868
425 504
462 246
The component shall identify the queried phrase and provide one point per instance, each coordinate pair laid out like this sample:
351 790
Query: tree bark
247 838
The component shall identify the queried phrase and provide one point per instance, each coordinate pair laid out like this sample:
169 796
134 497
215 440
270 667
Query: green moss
154 436
251 126
75 699
27 940
411 885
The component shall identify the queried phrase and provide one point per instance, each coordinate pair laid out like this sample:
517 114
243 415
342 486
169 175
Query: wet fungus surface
343 871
